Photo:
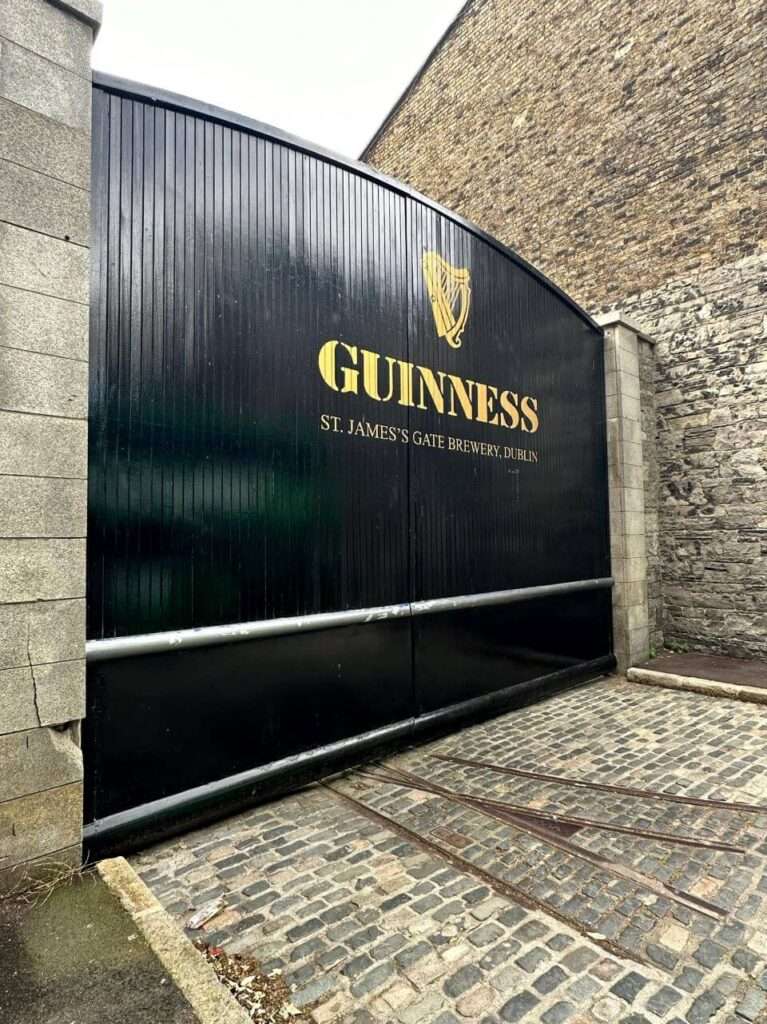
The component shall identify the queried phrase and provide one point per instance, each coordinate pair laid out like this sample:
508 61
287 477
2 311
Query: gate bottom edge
148 823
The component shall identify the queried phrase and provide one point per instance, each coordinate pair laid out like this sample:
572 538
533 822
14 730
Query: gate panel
463 655
337 434
515 497
163 724
223 260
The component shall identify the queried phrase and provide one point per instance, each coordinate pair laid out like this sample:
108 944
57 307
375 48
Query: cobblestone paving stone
489 924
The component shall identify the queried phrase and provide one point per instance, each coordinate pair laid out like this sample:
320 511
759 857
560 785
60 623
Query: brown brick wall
615 145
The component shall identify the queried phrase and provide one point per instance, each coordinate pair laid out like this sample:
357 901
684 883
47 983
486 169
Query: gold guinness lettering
349 378
387 379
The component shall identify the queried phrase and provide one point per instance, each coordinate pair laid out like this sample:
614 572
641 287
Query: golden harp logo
449 290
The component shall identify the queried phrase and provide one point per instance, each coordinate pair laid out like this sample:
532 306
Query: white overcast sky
327 70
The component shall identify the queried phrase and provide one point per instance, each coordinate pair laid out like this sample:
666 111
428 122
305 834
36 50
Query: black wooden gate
347 467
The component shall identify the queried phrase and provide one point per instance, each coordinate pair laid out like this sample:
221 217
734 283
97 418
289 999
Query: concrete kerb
187 968
709 687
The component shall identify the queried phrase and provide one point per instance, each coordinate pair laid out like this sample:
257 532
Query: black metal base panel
315 391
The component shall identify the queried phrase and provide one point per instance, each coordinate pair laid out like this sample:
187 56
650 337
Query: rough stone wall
711 397
651 480
45 98
615 145
620 148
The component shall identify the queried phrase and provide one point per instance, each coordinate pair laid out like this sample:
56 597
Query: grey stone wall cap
89 11
617 319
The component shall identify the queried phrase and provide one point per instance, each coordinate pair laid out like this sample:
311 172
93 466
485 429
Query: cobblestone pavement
382 902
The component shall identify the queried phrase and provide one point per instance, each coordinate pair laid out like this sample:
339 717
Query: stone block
639 647
33 140
17 877
632 475
632 453
33 382
32 81
633 592
628 385
616 519
49 32
615 497
636 619
42 264
18 711
60 692
634 569
39 507
626 339
627 363
631 431
41 631
615 471
33 200
627 431
43 445
629 570
634 521
36 760
617 545
42 570
630 410
40 323
41 824
634 545
614 449
633 499
620 633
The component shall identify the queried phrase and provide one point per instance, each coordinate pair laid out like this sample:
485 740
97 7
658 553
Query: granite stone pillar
45 145
628 505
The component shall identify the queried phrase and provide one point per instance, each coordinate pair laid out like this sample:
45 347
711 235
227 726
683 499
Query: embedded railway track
551 828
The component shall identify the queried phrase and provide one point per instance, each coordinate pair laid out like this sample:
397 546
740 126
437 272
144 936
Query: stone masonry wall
620 148
45 99
710 390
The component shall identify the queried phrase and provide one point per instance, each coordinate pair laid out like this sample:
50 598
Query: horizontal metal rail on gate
209 636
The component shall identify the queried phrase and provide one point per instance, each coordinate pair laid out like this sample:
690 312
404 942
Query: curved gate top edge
200 108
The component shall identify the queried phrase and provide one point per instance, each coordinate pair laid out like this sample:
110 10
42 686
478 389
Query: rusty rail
409 781
604 787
